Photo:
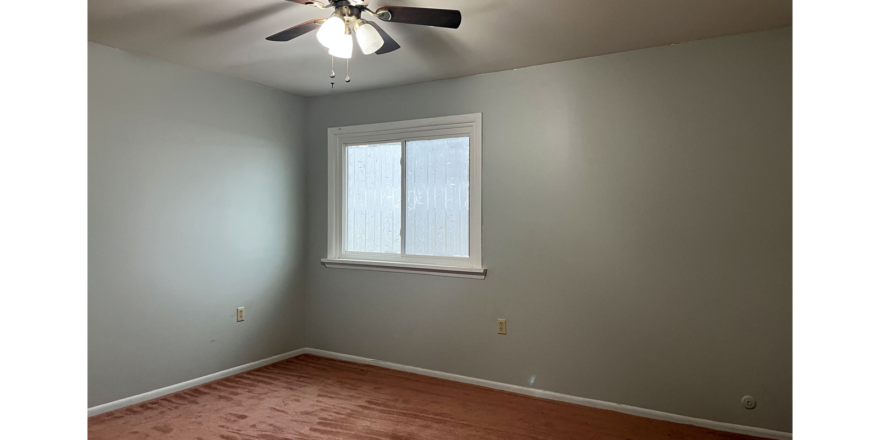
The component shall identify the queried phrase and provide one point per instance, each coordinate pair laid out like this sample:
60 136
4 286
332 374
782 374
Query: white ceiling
228 36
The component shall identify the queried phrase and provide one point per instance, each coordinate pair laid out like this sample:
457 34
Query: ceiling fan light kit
335 32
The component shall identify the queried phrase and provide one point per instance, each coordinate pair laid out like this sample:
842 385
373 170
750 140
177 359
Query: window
405 197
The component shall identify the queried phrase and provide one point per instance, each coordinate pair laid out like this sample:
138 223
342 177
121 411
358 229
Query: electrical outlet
239 314
502 326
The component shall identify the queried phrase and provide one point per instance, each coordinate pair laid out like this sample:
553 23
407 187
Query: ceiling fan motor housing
348 14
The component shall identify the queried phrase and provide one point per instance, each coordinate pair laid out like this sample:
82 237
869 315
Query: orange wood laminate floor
310 397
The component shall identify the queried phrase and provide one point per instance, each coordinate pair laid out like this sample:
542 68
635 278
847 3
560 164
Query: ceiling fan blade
424 16
390 45
296 31
308 2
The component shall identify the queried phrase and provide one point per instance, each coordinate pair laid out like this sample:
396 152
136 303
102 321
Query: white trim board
583 401
150 395
424 269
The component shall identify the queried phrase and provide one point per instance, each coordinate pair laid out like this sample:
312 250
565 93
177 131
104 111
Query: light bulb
342 47
369 39
330 31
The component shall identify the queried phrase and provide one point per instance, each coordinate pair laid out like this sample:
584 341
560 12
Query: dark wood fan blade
424 16
307 2
390 45
296 31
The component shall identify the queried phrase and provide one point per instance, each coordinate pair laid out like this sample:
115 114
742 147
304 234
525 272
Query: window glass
373 198
437 181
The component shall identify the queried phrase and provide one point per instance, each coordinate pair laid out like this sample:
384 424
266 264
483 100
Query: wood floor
309 397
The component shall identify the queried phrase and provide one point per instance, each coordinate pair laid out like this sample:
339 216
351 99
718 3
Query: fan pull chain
332 72
347 78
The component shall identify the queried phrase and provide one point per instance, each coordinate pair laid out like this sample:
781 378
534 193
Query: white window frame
420 129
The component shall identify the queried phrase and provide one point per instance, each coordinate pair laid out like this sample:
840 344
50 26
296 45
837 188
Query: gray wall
636 228
196 207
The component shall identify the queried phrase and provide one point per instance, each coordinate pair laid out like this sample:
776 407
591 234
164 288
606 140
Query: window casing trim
421 129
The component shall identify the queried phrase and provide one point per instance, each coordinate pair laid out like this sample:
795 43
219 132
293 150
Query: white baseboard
641 412
149 395
636 411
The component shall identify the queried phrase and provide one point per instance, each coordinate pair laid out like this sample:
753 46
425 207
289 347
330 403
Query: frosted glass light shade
342 47
369 39
332 30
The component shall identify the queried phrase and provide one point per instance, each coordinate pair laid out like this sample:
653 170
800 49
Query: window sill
424 269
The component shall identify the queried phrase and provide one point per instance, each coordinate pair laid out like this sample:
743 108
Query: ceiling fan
335 32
